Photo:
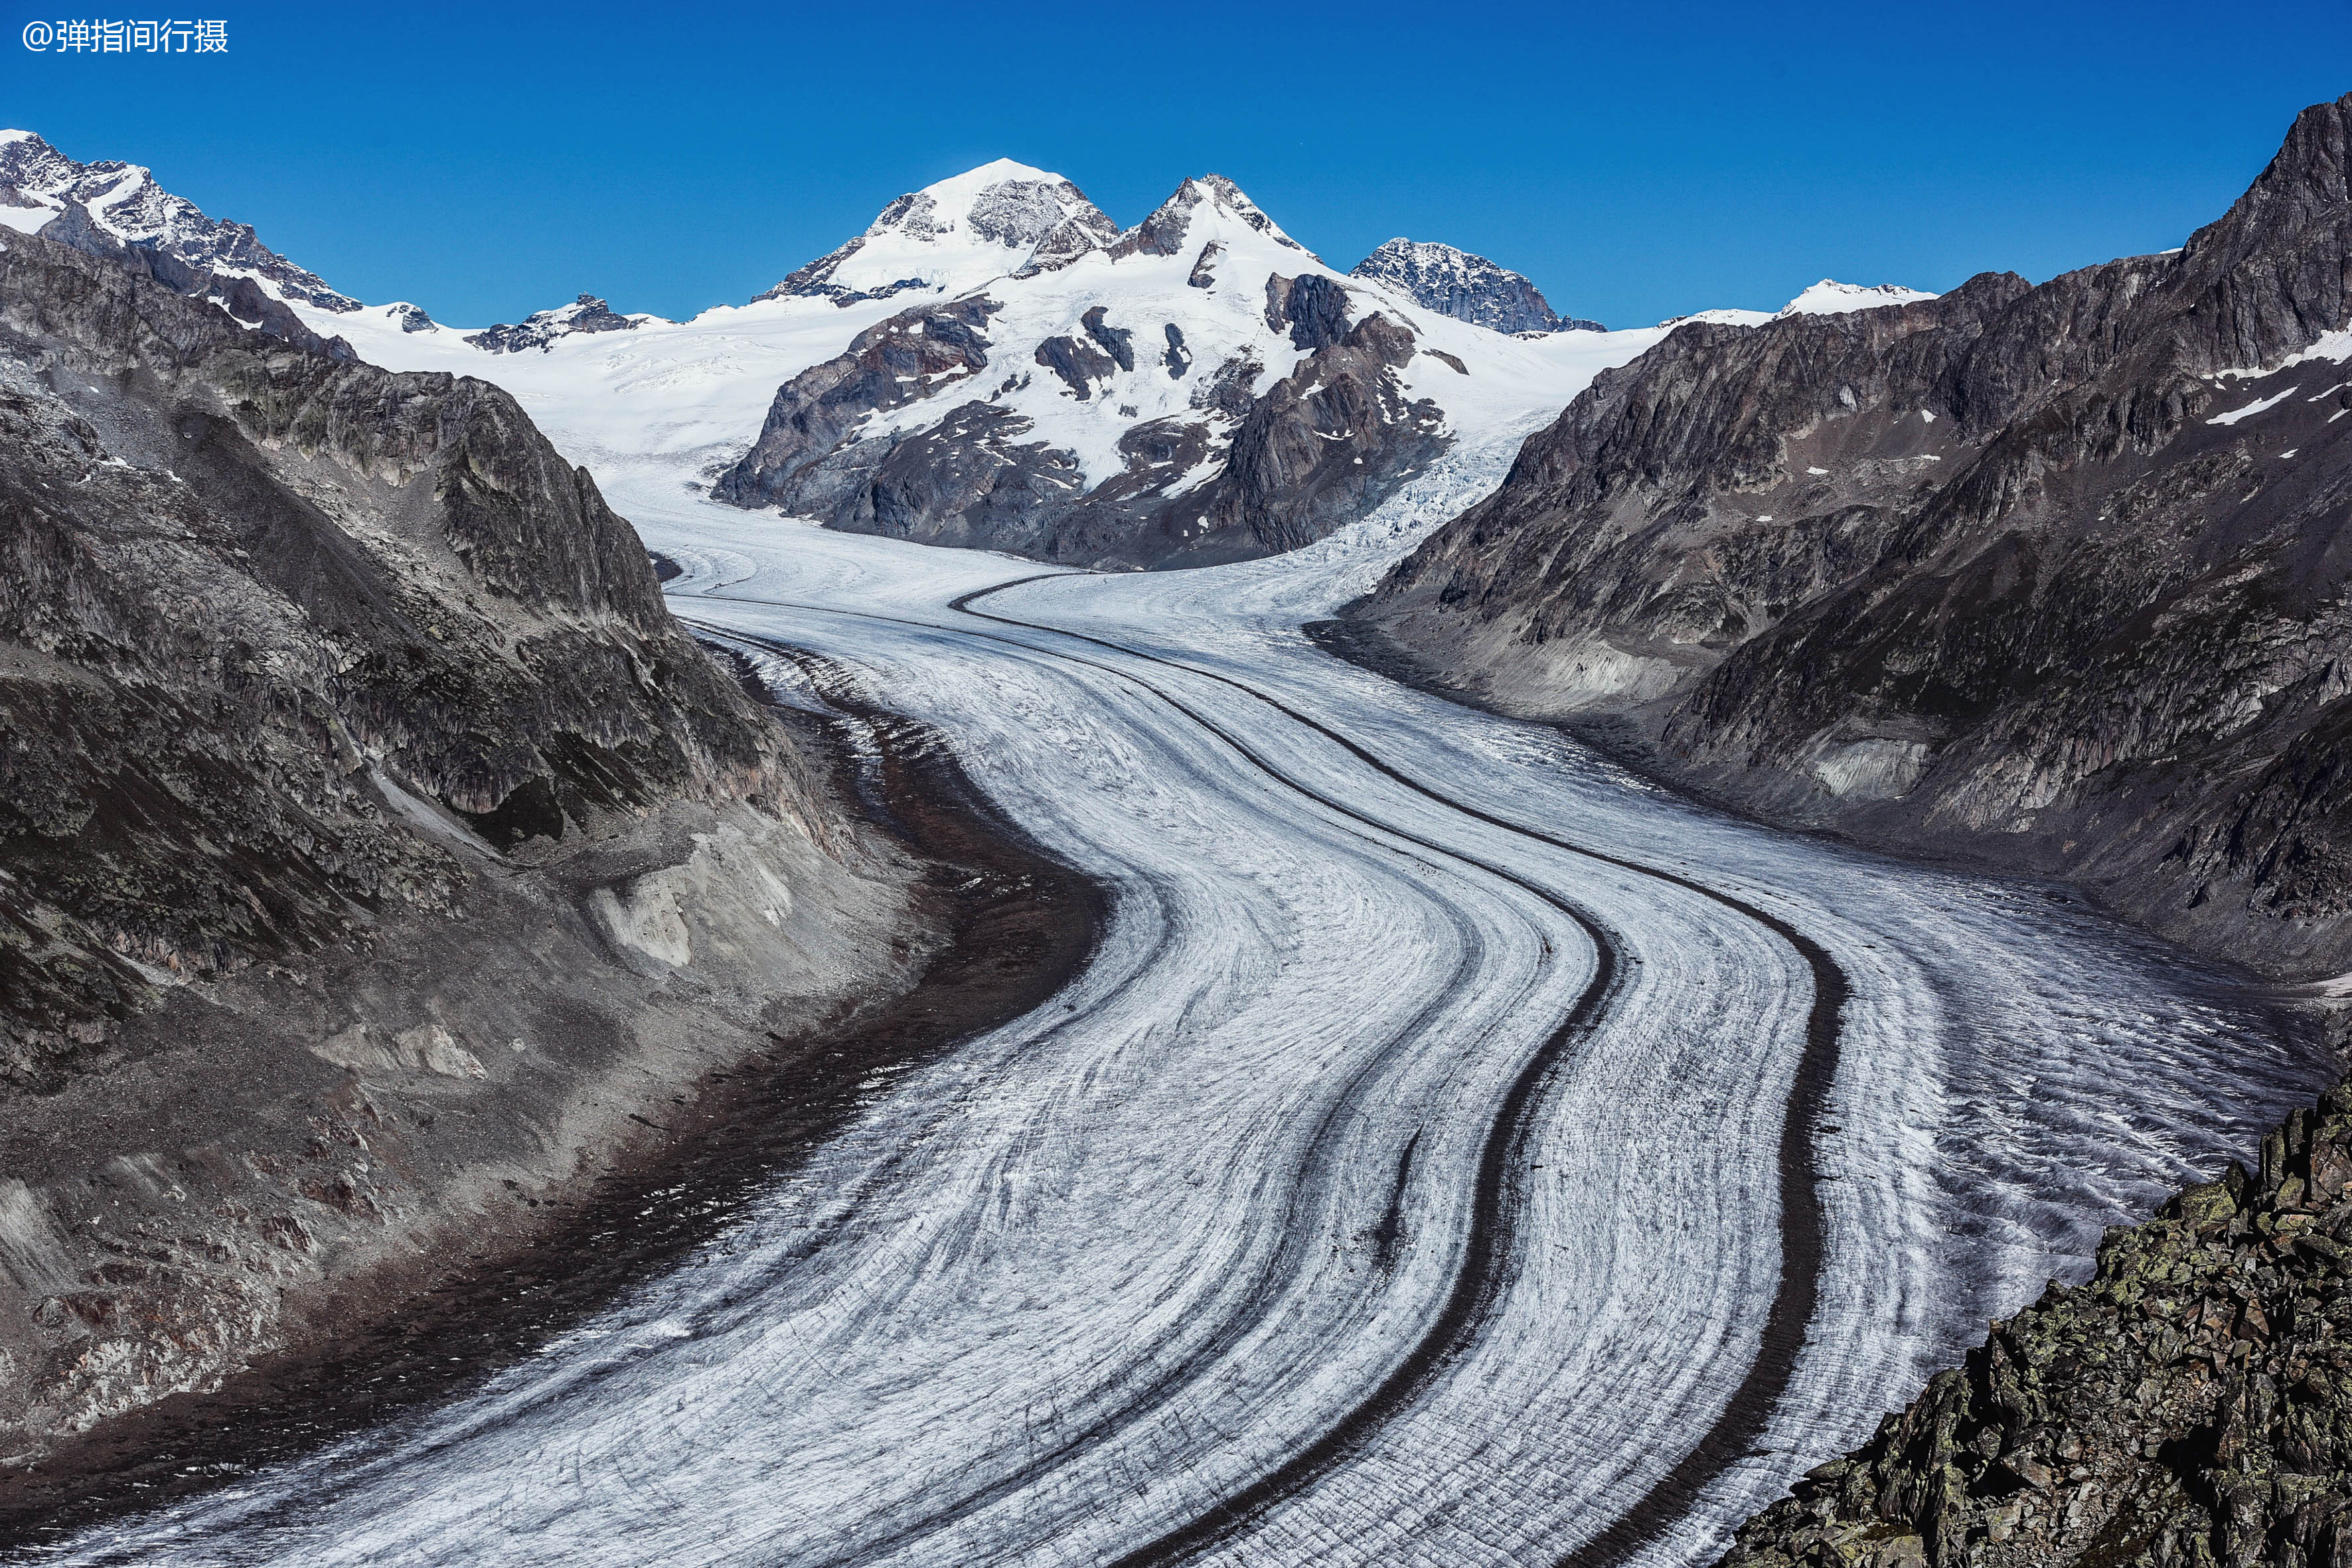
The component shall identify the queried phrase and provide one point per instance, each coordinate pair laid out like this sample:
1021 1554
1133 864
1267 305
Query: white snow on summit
38 184
997 219
689 394
1826 298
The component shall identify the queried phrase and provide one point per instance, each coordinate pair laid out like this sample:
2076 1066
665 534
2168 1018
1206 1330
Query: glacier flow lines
1483 1272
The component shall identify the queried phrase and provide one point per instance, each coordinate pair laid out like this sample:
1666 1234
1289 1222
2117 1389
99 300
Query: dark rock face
886 366
1312 454
1313 307
1079 365
1117 342
138 212
1320 450
236 292
540 329
2041 575
2192 1403
373 844
1467 288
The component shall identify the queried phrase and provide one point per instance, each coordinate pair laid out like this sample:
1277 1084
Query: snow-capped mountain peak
1826 298
1830 298
1192 212
1001 219
110 204
1467 288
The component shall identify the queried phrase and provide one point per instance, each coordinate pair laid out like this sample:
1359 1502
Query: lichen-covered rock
2191 1405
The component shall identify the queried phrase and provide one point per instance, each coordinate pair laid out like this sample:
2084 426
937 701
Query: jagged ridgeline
1195 390
2191 1405
2053 577
1467 288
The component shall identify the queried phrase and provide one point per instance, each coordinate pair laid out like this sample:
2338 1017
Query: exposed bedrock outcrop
2191 1405
541 329
2052 577
1243 473
376 854
1467 288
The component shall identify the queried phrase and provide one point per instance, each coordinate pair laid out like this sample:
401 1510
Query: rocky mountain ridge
1466 286
41 187
541 328
376 851
1154 414
2051 578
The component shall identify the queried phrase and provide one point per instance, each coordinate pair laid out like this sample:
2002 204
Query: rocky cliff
540 329
2049 577
2191 1405
1467 288
376 851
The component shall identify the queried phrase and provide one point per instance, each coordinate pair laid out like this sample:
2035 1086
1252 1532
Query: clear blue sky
1636 161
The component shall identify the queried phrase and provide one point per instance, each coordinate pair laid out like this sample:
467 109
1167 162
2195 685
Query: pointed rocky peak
30 169
1205 202
2310 179
1830 298
1000 219
541 328
2273 274
110 204
1468 288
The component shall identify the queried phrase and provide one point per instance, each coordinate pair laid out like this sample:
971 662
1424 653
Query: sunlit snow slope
1457 1153
993 363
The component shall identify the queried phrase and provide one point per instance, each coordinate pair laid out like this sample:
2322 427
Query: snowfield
1412 1177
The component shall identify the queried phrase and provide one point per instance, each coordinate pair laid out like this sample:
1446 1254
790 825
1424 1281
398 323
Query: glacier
1427 1112
1458 1150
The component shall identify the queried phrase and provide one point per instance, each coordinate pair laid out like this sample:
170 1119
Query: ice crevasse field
1426 1111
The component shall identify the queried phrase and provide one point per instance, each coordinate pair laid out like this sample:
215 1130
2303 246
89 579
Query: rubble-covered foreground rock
2191 1405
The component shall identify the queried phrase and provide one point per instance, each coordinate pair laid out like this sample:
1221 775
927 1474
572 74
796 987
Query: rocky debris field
2191 1405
